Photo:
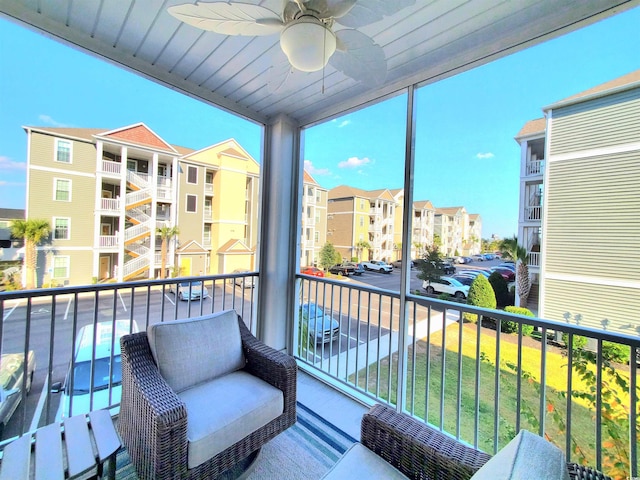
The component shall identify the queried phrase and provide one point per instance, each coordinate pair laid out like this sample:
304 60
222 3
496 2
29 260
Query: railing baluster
496 394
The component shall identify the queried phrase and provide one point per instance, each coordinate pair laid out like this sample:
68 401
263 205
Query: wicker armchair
153 419
421 452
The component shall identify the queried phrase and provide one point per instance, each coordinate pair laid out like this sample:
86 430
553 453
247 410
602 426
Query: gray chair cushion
225 410
526 456
361 463
196 350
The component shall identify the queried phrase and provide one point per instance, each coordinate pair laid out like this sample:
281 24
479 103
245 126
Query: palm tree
32 231
362 244
509 248
166 234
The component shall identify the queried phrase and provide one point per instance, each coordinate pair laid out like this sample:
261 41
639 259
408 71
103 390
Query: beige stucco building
106 193
583 245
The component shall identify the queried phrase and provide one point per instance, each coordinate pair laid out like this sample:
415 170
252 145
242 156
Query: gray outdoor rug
306 451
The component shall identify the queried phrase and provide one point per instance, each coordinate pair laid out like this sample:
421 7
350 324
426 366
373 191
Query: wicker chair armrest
579 472
416 449
153 420
274 367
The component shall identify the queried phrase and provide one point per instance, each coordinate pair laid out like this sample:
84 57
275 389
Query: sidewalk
364 354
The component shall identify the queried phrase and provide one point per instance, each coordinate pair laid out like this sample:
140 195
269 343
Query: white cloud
354 162
343 123
7 164
482 156
308 166
52 122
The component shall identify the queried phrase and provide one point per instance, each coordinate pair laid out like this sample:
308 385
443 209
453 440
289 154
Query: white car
105 369
446 285
377 266
189 290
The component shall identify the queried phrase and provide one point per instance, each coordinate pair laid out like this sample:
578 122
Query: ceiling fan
306 31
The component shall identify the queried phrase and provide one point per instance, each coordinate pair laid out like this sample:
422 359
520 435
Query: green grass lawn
423 374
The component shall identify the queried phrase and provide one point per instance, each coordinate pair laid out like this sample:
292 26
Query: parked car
510 266
245 282
508 274
445 266
313 271
358 269
489 256
11 377
464 279
105 369
322 328
377 266
189 290
446 285
342 269
398 263
479 257
475 273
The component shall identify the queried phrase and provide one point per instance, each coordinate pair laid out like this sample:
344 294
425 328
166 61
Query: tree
500 288
32 231
362 244
509 248
430 270
328 255
166 234
481 295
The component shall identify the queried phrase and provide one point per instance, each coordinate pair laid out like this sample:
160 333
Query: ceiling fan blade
229 18
365 12
359 57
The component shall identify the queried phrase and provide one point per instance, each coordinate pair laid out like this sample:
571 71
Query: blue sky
465 152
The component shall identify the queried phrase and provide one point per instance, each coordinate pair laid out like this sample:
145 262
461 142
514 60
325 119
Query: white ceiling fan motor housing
308 43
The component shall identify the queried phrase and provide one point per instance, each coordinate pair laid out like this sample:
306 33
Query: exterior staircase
140 226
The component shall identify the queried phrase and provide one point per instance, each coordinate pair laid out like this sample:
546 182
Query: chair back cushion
189 352
526 456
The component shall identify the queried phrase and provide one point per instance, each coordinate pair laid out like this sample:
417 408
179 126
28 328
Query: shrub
615 352
480 295
500 289
579 342
444 296
512 327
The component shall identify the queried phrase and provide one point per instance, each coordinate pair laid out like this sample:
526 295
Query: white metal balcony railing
138 214
463 377
165 182
535 167
533 213
139 249
136 231
137 196
208 188
164 193
139 179
140 302
133 265
110 204
110 167
533 259
108 241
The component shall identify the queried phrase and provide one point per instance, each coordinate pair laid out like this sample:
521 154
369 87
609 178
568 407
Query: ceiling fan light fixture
308 43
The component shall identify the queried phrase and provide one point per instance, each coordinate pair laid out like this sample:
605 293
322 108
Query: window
63 151
62 190
192 201
362 221
317 237
192 175
61 267
61 228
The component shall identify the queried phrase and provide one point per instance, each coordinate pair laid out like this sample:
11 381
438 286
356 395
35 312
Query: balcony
455 374
534 167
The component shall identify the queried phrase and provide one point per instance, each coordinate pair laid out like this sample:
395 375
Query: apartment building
107 192
314 220
10 249
450 226
355 216
579 204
